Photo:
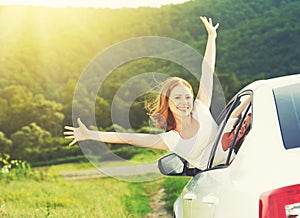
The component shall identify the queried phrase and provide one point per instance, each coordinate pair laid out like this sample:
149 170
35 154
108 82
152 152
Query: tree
16 101
47 114
102 112
5 144
30 138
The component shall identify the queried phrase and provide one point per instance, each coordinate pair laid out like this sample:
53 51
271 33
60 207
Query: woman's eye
177 98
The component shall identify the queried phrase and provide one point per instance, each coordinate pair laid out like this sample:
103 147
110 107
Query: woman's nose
184 101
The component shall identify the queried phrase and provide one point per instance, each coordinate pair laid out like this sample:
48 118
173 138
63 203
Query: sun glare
92 3
27 30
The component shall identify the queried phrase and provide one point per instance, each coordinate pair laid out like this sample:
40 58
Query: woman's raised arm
208 63
82 133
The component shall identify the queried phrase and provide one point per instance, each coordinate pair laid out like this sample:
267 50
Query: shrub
14 169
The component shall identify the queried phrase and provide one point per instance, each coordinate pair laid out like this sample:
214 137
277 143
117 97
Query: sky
93 3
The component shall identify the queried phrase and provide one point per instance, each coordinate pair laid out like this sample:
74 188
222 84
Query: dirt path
158 206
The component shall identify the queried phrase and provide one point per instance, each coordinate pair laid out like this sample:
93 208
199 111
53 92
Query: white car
254 165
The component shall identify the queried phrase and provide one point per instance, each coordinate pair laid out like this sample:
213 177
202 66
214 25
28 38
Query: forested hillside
45 50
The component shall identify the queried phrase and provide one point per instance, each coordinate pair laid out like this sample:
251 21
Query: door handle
210 199
189 196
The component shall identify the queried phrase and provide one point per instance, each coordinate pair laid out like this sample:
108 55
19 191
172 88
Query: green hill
45 50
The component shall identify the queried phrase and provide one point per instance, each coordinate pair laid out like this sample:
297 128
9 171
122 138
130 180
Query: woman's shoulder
171 138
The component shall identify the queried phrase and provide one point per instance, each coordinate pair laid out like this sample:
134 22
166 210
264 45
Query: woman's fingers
70 137
209 21
210 28
204 19
217 25
73 142
69 133
69 128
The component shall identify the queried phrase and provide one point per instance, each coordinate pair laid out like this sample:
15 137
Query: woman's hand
77 134
211 30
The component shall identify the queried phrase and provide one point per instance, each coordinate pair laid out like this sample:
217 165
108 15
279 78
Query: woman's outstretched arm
82 133
208 63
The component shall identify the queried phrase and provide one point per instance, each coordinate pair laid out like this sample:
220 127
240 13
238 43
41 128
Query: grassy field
56 197
44 194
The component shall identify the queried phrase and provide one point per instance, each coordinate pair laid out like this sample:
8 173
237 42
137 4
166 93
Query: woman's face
181 101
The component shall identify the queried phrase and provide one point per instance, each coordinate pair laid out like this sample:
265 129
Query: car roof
274 82
283 81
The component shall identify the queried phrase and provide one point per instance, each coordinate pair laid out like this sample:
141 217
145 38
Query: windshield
287 100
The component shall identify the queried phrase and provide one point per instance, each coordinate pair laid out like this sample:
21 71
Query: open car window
233 131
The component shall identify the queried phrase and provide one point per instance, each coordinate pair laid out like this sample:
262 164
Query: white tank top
195 150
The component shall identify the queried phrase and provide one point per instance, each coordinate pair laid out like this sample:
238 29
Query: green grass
138 200
56 197
148 156
173 187
43 193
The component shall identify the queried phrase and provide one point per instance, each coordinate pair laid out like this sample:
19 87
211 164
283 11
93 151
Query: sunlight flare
92 3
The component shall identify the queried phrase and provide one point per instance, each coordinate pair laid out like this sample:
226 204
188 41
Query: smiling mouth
183 109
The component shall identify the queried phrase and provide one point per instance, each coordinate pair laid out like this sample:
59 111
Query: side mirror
173 165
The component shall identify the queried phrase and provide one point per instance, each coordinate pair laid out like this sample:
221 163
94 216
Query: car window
234 129
287 101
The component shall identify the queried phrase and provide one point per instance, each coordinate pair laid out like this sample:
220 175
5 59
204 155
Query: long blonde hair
159 110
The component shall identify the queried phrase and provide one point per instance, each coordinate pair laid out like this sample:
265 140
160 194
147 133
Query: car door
203 193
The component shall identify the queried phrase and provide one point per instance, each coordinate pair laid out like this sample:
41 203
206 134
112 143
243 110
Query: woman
189 124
